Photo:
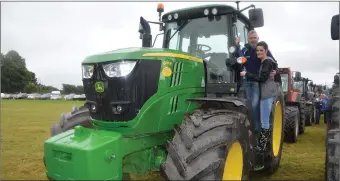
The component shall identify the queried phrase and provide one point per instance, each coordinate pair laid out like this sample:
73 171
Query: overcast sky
54 37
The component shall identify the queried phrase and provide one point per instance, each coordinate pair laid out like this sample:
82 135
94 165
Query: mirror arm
154 41
250 6
154 22
161 24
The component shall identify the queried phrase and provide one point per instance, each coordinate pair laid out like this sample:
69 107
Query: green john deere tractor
180 109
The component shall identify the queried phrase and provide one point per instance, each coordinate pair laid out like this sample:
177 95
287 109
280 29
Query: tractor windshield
284 79
204 38
298 85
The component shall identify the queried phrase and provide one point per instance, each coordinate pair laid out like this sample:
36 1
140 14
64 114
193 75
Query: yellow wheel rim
233 167
277 128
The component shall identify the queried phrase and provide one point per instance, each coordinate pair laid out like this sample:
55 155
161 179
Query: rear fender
231 103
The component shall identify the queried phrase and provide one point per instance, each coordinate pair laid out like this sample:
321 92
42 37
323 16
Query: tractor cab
292 84
208 32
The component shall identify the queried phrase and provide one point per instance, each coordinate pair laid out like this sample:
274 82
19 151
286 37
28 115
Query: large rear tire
292 116
274 145
332 170
302 111
78 116
333 122
211 144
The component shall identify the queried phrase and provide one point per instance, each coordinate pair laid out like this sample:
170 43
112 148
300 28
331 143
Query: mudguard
241 104
236 101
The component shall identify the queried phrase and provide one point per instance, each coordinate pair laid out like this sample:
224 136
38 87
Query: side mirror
141 31
297 76
336 79
335 27
256 17
145 33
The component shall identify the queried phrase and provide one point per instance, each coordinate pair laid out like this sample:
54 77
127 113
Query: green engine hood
138 53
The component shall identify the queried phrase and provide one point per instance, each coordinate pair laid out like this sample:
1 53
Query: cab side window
242 32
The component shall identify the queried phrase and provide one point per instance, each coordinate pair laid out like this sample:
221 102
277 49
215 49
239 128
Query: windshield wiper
179 29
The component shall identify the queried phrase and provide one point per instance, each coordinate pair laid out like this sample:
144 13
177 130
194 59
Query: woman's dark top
263 75
268 87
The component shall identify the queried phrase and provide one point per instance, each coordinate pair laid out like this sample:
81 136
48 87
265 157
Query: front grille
129 92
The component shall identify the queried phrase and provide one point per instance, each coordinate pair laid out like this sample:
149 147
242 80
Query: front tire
292 116
332 170
78 116
302 111
309 115
211 144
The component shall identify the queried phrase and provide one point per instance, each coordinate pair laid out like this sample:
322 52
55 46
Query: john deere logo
99 87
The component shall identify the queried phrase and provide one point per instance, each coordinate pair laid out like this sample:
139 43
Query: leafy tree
68 89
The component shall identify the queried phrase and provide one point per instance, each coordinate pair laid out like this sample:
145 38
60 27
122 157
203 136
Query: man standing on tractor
253 65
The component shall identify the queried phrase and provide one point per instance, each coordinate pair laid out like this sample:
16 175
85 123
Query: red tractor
292 86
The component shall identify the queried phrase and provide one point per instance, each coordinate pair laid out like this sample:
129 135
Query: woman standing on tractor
269 91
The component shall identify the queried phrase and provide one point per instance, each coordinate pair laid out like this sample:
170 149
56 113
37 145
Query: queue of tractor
166 110
305 103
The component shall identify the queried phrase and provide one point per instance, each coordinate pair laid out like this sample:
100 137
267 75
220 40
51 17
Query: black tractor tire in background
202 144
78 116
313 114
302 110
332 169
309 115
332 161
292 117
333 122
317 115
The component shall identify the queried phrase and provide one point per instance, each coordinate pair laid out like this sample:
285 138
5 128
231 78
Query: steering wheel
200 47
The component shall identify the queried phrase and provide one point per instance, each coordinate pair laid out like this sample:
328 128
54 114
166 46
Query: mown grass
25 125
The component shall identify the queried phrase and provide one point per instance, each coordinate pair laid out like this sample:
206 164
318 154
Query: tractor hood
138 53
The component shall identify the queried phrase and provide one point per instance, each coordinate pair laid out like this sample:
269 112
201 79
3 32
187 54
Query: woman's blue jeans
265 110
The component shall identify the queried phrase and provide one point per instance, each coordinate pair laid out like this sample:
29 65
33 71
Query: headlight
317 99
119 69
87 71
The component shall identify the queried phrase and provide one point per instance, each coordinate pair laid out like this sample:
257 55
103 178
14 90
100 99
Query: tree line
15 77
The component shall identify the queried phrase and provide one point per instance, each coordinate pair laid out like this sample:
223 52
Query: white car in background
34 96
55 96
69 97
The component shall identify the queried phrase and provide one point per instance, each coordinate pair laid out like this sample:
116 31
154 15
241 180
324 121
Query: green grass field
25 125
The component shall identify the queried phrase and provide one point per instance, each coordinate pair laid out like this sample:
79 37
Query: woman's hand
243 73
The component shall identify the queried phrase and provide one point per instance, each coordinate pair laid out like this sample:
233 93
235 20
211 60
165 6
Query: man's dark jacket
253 63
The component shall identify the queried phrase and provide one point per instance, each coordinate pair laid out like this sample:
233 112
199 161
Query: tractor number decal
165 63
166 71
99 86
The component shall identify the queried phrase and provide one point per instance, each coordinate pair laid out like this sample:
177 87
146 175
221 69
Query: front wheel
211 144
78 116
309 115
291 124
317 116
332 169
